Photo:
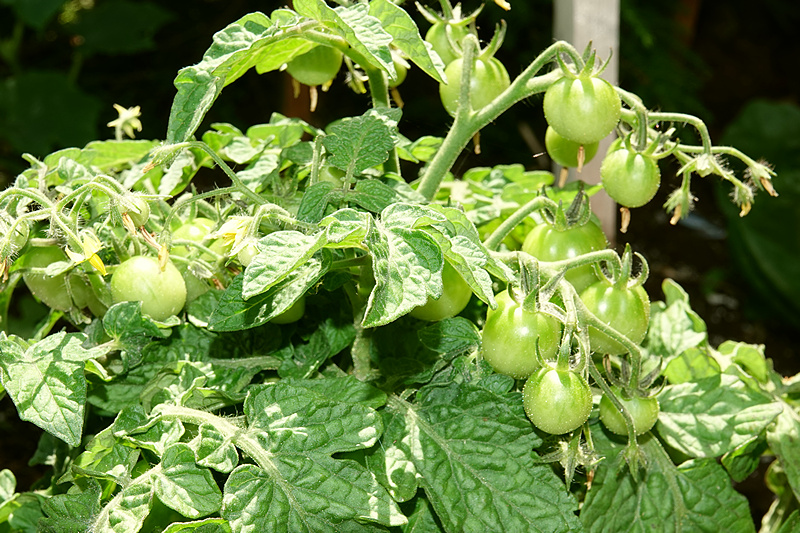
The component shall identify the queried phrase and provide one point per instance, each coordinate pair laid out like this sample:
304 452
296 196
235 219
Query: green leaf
745 459
783 439
207 525
748 356
714 415
71 513
8 484
280 254
359 143
451 337
111 154
250 41
472 449
107 457
674 326
695 496
399 24
315 202
234 313
47 383
373 195
328 340
213 450
127 510
692 364
421 519
184 487
131 330
407 265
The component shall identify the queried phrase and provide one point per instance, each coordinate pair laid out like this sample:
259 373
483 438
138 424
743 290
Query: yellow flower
233 231
128 121
91 245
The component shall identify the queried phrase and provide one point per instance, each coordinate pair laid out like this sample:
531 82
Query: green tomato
140 279
557 401
196 230
565 152
627 310
437 36
455 297
51 290
246 255
583 110
546 243
511 334
318 66
643 411
631 179
402 71
139 216
293 314
489 79
195 286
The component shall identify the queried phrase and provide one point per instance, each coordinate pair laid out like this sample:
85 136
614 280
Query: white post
597 21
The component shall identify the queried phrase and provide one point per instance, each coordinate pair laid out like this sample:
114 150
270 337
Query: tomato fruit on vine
293 314
437 36
631 179
489 79
511 335
557 401
139 216
643 411
318 66
546 242
625 309
583 109
565 152
51 290
455 297
140 279
196 231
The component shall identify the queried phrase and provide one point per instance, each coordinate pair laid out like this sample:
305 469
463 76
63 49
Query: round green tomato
83 294
583 110
139 216
195 286
455 297
332 174
511 334
626 310
318 66
140 279
643 411
437 36
293 314
546 243
247 254
51 290
196 231
630 179
489 79
565 152
557 401
402 71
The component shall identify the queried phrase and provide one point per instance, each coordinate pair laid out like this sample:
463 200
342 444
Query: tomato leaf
359 143
405 34
326 341
183 486
782 439
68 513
694 496
471 449
714 415
235 313
451 336
47 382
280 253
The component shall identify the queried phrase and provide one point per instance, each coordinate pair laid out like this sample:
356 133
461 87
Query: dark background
63 65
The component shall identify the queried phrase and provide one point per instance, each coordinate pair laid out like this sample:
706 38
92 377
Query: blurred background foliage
64 63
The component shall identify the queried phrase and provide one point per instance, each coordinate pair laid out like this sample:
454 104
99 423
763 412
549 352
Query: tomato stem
508 225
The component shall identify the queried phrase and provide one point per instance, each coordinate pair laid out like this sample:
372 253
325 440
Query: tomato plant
583 109
511 336
625 309
141 279
455 297
173 396
643 412
557 401
318 66
489 79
